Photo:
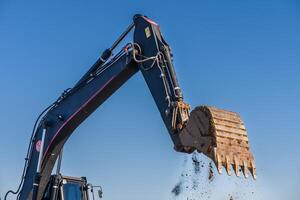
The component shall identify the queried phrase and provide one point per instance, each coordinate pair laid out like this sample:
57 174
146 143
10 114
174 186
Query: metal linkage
38 171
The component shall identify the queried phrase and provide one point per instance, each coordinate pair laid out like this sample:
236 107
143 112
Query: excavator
219 134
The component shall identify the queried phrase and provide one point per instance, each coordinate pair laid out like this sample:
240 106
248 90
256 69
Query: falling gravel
210 172
177 189
198 181
196 163
193 183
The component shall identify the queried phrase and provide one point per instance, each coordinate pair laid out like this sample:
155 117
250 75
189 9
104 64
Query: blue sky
239 55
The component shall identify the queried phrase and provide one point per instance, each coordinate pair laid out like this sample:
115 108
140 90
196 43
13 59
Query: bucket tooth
217 159
253 169
215 154
245 169
219 164
228 165
236 166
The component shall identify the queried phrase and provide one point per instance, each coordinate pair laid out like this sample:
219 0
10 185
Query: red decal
38 145
151 22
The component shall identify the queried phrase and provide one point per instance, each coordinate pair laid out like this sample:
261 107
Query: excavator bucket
221 135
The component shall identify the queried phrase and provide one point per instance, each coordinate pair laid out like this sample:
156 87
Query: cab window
72 191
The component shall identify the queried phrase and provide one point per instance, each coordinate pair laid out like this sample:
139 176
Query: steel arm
149 53
94 88
155 61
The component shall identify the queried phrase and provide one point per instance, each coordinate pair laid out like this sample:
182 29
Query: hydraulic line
105 56
29 150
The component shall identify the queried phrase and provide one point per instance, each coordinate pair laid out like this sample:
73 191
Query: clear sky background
239 55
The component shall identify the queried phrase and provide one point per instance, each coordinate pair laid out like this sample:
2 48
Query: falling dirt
196 163
211 175
193 183
198 181
245 193
177 189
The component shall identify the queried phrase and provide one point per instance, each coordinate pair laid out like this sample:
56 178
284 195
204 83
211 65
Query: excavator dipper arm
218 134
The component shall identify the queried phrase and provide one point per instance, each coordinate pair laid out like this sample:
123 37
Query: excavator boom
219 134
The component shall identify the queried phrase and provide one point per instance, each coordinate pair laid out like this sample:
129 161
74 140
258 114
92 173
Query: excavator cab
70 188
